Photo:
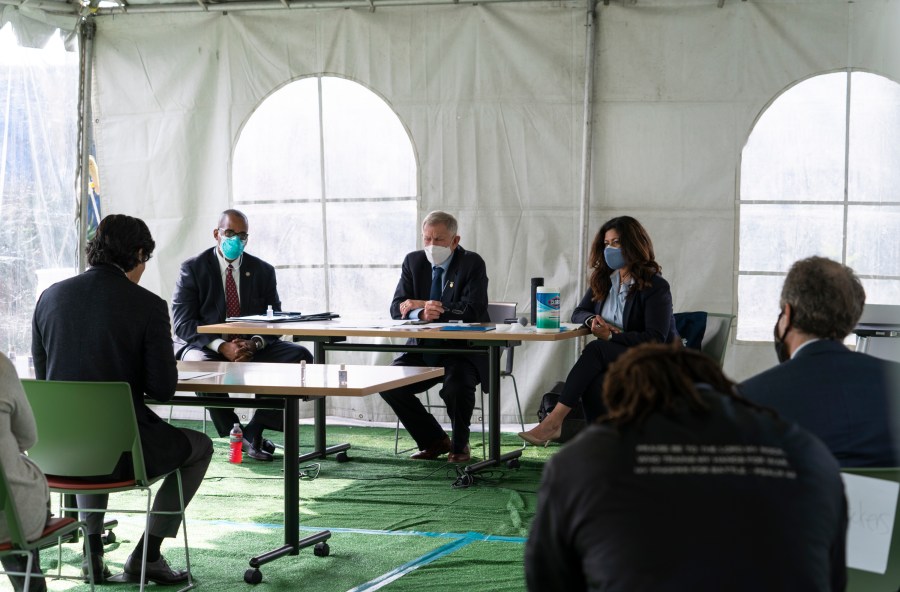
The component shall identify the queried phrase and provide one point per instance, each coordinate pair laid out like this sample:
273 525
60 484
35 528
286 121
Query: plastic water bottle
236 441
303 372
12 356
270 314
342 376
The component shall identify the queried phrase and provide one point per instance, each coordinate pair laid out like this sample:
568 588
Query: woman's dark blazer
648 314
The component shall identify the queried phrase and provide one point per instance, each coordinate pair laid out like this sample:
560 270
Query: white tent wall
492 97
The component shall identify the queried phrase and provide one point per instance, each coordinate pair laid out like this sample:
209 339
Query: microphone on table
518 325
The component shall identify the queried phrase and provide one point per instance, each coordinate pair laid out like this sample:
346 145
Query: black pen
285 313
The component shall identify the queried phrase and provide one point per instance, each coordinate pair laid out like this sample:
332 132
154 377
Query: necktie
437 285
232 302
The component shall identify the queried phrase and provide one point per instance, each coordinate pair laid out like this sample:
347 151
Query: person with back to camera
102 326
850 400
684 485
628 303
27 484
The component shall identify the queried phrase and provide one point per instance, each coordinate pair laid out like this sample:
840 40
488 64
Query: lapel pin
247 274
451 284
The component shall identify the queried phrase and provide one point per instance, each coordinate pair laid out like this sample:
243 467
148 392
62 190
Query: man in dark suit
221 282
102 326
851 401
441 283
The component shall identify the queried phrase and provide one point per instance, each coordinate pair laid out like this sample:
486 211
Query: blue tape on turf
467 539
404 569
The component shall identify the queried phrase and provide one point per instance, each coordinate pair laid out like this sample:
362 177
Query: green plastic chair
72 456
53 533
865 581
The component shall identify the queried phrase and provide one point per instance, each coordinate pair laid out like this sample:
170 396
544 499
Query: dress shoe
254 450
535 437
438 448
460 457
101 572
158 571
268 446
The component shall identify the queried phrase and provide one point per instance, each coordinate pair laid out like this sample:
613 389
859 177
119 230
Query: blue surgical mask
232 247
614 257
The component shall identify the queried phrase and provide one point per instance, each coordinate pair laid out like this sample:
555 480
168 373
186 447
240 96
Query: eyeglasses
145 258
229 233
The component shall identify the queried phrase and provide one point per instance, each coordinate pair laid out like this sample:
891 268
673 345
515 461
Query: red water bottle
236 441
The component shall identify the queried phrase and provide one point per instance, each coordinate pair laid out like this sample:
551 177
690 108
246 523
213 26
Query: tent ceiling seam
202 6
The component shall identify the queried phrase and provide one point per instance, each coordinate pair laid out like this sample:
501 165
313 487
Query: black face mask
781 349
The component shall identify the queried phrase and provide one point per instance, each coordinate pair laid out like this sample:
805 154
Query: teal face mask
232 247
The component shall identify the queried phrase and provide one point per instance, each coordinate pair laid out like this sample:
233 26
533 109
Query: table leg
292 542
495 457
321 449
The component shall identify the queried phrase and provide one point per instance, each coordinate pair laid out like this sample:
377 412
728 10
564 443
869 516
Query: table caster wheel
321 550
253 576
109 538
513 463
342 457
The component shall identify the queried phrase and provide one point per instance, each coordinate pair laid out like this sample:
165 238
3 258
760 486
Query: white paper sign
872 506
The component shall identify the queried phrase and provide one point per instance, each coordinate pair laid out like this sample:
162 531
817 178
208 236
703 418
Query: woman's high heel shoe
531 439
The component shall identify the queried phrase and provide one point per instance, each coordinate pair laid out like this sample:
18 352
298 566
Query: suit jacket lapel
629 305
218 289
449 293
247 276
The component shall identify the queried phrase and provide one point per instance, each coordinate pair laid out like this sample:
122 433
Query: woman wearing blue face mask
628 303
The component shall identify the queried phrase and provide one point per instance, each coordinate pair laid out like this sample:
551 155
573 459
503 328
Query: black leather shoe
268 446
101 572
433 451
158 571
255 451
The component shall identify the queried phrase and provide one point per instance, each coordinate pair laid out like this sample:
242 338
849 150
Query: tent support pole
586 155
86 34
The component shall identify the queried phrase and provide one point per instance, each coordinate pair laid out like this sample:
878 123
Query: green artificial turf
396 524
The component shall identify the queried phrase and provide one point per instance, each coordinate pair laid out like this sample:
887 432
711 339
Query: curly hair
637 248
653 378
826 297
120 240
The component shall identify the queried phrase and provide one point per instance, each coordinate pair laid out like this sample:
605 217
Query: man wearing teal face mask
222 282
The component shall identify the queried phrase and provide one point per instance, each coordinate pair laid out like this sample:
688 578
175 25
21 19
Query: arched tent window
326 172
820 175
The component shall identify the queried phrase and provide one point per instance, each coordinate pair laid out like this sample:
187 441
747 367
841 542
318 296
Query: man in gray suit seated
849 400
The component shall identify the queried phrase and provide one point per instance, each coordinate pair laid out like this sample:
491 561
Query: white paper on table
872 506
